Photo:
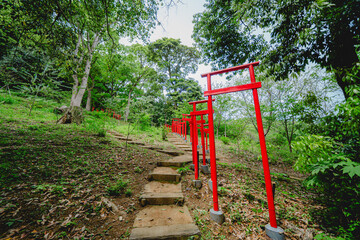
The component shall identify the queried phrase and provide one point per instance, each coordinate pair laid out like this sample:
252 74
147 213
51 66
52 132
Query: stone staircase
164 215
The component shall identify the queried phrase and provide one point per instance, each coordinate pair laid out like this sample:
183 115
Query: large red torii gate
272 230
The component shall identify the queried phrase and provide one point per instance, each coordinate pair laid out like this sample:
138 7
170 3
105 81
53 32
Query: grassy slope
53 177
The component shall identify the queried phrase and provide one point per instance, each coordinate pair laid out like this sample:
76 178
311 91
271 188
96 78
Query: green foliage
52 188
220 38
176 62
138 170
32 72
118 188
6 99
238 166
227 32
164 132
223 191
323 236
312 149
96 123
173 58
336 175
128 192
144 121
225 140
183 170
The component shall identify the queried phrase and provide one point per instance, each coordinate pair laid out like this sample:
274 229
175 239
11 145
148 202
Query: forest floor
62 182
242 198
57 183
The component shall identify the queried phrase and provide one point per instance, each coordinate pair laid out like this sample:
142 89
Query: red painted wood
233 89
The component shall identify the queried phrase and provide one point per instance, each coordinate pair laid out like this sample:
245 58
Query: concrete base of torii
274 233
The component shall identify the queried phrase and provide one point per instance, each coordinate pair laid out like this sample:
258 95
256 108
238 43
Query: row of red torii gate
179 126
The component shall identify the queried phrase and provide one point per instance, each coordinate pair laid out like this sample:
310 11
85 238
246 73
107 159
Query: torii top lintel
231 69
200 112
201 101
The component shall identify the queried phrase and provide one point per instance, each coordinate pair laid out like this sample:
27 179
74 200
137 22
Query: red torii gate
272 230
204 167
185 120
176 125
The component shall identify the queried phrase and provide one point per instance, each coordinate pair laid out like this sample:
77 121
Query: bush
118 188
334 174
333 160
145 122
225 140
183 170
6 99
96 123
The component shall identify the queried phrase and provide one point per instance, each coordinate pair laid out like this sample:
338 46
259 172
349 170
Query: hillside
62 182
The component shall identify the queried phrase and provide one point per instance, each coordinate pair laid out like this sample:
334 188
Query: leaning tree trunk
88 101
74 113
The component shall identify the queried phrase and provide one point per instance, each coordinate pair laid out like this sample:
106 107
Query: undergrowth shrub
95 123
183 170
6 99
225 140
144 122
333 160
119 188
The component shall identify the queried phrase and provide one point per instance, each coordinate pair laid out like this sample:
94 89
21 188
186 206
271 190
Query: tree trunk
217 129
289 133
88 100
344 56
127 111
77 99
73 114
78 93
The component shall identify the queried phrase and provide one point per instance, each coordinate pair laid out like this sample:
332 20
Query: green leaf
352 170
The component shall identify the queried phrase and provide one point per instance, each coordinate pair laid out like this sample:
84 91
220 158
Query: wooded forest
56 53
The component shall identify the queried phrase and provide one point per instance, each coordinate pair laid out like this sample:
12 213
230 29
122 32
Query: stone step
164 222
183 146
158 193
123 138
171 152
165 174
114 133
136 143
152 147
178 161
177 142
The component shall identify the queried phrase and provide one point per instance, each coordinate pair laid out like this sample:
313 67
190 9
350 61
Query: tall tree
177 61
324 32
142 71
173 58
92 22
